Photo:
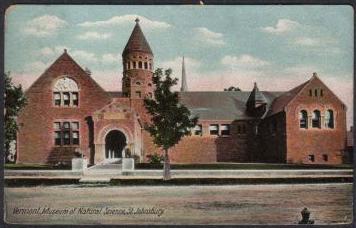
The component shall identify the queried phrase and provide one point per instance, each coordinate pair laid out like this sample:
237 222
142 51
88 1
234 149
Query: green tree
170 120
232 88
14 101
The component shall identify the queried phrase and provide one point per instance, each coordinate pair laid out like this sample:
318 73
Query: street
223 204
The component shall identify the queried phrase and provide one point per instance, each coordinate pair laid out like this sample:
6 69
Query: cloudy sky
279 47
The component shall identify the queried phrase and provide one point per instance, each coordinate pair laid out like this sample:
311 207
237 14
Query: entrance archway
115 142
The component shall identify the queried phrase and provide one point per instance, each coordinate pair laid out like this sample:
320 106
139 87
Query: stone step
96 179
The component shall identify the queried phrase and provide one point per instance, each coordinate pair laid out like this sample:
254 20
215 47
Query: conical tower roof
256 97
137 41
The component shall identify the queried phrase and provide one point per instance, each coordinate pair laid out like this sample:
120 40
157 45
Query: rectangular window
75 99
310 93
57 138
66 133
315 92
325 157
146 65
321 92
134 65
57 99
66 137
140 64
214 129
198 130
138 94
75 137
311 158
66 99
225 129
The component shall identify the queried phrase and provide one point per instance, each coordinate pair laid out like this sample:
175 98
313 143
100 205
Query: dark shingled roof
283 100
137 41
224 105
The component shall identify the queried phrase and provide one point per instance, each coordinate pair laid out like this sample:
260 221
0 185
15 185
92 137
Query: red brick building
68 114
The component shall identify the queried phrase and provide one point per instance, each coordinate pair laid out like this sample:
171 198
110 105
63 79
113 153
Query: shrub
155 158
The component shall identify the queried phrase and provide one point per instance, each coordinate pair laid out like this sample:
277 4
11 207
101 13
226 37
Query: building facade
68 114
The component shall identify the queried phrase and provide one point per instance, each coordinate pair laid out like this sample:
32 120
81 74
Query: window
310 93
198 130
316 119
140 64
303 119
315 92
325 157
66 133
138 94
146 65
311 157
57 99
150 64
150 95
134 65
66 93
329 119
214 129
321 93
149 84
225 129
138 83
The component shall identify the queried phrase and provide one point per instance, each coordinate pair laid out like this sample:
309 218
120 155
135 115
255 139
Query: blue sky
279 47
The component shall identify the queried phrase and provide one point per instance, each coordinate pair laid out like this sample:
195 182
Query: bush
155 158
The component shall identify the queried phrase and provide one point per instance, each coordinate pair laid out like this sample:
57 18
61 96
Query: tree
232 88
170 120
14 101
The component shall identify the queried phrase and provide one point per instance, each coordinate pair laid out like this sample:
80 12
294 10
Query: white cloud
94 36
109 58
243 61
46 25
307 41
210 37
125 20
84 56
282 26
37 66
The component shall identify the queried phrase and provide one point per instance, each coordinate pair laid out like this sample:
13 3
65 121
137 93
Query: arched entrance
115 142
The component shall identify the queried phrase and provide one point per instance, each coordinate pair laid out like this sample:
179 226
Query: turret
137 60
256 103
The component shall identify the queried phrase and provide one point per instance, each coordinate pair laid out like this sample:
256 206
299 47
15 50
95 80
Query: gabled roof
137 41
221 105
282 101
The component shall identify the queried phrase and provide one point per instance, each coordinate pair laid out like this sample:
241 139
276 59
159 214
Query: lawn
251 166
32 166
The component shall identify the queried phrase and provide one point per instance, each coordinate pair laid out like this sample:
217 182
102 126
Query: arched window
140 64
65 93
303 119
329 119
146 66
134 65
138 83
316 119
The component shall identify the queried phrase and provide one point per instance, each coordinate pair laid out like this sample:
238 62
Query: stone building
68 114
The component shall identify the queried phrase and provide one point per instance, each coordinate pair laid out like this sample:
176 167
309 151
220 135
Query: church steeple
137 60
184 86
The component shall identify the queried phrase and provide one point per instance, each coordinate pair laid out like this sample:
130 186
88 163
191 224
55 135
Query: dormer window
65 93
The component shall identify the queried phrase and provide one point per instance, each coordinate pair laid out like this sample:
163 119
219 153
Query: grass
250 166
32 166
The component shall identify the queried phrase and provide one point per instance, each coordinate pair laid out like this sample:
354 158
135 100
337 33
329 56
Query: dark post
305 217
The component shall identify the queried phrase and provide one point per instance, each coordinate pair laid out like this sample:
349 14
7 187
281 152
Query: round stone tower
137 60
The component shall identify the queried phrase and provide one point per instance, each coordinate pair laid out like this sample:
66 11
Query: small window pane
311 158
66 125
214 129
225 129
75 136
57 125
66 100
198 130
66 139
75 125
57 138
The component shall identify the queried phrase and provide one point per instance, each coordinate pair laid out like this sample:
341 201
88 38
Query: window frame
216 132
62 141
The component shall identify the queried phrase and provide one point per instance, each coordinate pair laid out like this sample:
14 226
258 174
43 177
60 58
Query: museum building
68 114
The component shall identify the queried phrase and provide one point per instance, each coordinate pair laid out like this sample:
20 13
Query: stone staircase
102 173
